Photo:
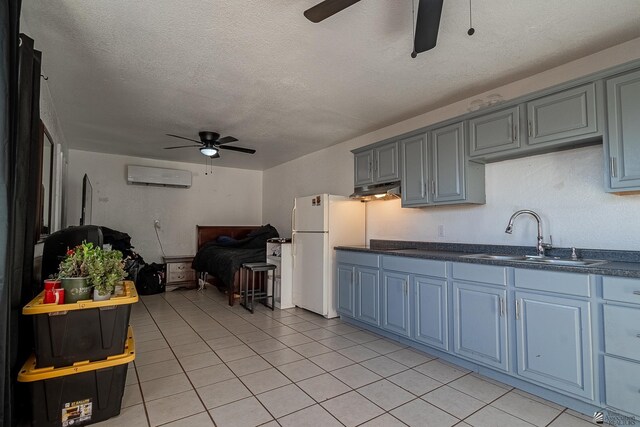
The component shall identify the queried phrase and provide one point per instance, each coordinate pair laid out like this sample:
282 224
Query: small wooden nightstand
179 271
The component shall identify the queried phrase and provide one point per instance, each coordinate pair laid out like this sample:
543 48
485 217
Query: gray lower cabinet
395 302
544 335
554 342
357 285
567 115
436 171
494 132
622 343
431 311
480 324
367 307
345 276
622 148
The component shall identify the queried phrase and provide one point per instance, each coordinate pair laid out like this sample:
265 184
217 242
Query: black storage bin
84 331
77 395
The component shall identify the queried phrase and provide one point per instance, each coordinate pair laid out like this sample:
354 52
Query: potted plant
106 270
74 274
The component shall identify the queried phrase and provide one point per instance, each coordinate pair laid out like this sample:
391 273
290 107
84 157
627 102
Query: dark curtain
19 189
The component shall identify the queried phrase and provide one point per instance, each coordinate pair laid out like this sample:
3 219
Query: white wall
566 188
226 197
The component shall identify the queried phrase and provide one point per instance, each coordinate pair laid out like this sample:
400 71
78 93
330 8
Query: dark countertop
619 263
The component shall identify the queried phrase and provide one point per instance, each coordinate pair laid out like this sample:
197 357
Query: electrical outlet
156 223
441 230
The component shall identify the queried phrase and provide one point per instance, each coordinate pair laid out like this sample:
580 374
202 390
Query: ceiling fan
210 143
427 23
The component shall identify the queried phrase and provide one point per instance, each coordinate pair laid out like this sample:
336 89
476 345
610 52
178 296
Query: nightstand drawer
181 276
178 267
622 331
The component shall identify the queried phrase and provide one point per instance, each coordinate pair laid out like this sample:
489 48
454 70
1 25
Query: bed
223 249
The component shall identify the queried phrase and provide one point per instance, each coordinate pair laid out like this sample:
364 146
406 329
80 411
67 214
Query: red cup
52 284
53 296
59 295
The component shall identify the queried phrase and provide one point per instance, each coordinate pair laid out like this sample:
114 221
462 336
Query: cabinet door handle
433 187
613 167
636 292
530 128
501 307
517 310
515 133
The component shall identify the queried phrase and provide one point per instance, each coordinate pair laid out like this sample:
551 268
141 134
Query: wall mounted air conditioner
145 175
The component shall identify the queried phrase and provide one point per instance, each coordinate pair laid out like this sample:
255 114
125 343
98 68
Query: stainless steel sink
539 259
570 262
497 257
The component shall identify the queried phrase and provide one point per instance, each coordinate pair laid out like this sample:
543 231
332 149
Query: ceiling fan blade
240 149
181 146
427 25
327 8
226 140
215 156
182 137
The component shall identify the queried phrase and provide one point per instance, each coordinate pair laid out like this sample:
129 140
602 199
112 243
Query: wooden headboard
207 233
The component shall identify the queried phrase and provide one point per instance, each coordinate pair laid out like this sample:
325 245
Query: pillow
226 241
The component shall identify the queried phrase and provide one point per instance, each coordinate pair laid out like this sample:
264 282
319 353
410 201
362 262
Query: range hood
369 193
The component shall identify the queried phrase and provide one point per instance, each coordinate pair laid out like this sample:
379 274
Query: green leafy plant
75 263
103 269
106 270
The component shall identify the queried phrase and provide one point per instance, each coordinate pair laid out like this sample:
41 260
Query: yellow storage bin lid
29 372
36 306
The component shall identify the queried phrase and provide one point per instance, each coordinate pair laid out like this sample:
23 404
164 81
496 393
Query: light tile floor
202 363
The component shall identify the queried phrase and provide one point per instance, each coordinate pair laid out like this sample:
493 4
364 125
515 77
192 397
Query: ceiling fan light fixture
209 151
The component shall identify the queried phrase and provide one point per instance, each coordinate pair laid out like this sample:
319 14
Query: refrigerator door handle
293 245
293 219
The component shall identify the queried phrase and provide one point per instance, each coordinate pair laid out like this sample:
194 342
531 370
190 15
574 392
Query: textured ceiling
122 73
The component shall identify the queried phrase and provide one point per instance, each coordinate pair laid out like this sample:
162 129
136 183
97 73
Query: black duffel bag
151 279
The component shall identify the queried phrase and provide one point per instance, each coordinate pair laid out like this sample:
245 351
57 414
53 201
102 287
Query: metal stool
262 268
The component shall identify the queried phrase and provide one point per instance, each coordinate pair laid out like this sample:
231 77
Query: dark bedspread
224 257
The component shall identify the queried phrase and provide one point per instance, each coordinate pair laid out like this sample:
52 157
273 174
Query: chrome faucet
540 246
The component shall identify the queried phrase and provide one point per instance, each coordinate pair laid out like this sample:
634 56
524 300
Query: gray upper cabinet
376 165
436 170
447 163
415 171
623 146
567 115
363 167
567 118
385 167
494 132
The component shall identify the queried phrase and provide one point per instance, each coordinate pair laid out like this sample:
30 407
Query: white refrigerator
320 223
